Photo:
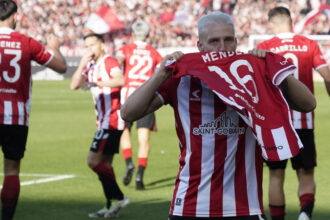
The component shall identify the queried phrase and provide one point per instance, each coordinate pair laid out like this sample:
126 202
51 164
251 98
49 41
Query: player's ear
200 46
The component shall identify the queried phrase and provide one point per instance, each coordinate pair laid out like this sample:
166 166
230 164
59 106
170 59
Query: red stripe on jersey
220 152
15 113
268 136
102 106
303 119
183 149
259 166
114 117
240 176
195 145
2 111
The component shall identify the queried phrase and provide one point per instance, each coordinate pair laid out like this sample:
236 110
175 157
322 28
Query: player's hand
258 52
169 59
87 57
53 42
88 85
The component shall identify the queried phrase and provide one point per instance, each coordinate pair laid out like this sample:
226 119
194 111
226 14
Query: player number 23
13 63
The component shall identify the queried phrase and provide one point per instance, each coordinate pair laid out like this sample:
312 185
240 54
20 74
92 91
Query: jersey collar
6 30
285 35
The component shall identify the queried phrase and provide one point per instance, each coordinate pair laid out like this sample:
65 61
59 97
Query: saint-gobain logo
222 125
280 147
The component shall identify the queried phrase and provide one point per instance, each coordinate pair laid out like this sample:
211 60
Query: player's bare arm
298 96
78 79
58 62
144 100
325 73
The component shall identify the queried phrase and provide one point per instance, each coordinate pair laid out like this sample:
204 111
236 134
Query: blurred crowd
173 22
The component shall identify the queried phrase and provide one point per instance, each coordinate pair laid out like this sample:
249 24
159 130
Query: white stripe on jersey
20 106
250 170
296 120
229 197
309 119
280 139
107 108
8 113
204 189
183 105
121 122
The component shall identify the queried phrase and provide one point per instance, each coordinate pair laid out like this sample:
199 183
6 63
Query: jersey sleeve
318 58
164 90
39 52
111 65
278 68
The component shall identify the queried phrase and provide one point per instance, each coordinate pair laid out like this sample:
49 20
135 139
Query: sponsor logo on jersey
178 202
195 95
222 125
275 148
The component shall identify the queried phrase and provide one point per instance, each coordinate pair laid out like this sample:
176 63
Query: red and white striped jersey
141 60
16 53
220 166
106 99
250 86
306 55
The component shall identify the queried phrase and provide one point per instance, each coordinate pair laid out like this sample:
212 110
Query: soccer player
16 53
139 60
101 73
306 55
220 174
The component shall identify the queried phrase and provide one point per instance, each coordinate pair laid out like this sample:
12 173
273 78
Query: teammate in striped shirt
306 55
102 75
16 53
220 174
139 61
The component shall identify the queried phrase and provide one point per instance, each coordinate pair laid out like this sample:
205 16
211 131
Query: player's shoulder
110 60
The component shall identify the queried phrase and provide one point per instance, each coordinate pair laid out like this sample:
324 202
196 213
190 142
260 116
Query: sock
127 153
277 212
129 161
142 161
9 196
109 183
307 203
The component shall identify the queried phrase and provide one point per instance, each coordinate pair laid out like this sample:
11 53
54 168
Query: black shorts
13 141
252 217
306 159
148 121
106 141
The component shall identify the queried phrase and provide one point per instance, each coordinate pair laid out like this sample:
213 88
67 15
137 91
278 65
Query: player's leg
276 189
304 165
143 153
144 126
13 147
105 145
126 144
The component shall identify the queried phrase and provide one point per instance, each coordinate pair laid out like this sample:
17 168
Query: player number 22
14 63
142 65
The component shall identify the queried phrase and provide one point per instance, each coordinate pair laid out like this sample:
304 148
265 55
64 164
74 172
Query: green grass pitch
62 125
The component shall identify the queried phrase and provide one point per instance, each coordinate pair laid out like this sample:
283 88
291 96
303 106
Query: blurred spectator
173 21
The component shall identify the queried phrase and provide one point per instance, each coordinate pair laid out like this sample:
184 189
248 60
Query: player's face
94 46
220 37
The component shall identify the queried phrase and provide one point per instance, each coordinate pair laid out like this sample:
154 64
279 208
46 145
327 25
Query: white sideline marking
50 178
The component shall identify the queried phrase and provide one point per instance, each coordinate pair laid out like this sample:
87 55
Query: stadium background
173 22
63 122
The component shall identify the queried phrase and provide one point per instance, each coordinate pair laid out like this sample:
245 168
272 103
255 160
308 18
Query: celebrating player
101 73
306 55
140 60
16 53
220 174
